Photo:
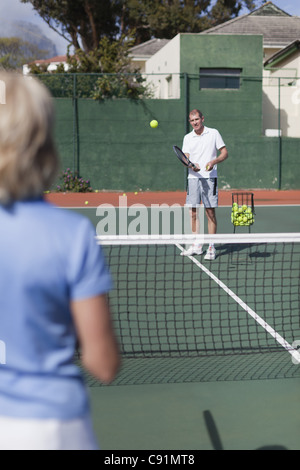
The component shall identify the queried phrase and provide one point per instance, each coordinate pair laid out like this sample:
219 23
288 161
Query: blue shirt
48 257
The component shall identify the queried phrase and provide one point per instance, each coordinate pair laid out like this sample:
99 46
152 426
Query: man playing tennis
202 146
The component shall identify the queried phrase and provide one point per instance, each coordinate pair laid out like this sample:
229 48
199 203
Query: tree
84 22
224 10
104 72
14 52
81 22
102 32
166 18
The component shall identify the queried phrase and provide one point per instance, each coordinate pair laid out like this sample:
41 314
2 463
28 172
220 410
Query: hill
28 32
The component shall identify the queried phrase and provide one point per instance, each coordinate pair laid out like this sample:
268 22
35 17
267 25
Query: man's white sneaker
192 250
210 254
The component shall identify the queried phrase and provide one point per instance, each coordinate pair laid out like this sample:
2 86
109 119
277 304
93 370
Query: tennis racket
184 159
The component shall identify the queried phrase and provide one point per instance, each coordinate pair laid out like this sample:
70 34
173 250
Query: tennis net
245 301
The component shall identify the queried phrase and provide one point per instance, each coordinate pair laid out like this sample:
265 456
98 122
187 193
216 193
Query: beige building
280 70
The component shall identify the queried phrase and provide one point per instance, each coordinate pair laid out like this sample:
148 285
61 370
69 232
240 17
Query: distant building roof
56 59
51 63
148 49
277 27
283 53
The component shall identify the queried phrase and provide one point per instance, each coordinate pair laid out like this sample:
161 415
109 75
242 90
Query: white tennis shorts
203 190
46 434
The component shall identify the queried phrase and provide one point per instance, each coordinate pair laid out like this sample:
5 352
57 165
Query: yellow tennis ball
153 124
86 202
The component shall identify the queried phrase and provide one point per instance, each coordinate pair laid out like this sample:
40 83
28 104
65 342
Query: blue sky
289 6
14 10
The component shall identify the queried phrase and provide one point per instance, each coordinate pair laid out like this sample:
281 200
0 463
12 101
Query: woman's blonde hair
28 157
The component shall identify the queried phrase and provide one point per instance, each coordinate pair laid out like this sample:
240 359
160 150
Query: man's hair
28 157
197 111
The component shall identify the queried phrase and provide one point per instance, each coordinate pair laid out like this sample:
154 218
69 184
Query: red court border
147 198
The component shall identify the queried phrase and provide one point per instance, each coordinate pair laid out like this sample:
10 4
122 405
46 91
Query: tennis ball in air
86 202
153 124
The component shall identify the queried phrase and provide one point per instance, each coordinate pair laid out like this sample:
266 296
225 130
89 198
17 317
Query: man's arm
196 164
222 156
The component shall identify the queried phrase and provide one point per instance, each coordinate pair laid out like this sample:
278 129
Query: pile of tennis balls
242 215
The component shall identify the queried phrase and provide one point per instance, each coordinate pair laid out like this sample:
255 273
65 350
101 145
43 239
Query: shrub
73 182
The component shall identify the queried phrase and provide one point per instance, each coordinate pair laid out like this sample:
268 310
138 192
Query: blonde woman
53 288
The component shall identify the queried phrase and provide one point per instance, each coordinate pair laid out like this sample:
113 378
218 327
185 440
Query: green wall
117 149
231 111
112 143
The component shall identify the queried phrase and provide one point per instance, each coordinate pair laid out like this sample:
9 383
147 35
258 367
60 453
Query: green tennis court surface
248 415
192 350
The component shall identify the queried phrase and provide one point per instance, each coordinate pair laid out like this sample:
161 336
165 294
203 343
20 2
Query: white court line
294 353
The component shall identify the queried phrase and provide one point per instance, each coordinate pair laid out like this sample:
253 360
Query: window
220 78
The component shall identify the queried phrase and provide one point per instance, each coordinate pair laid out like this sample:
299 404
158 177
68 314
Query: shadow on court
246 415
215 438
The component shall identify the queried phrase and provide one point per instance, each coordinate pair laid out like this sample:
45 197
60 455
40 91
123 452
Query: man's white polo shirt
202 149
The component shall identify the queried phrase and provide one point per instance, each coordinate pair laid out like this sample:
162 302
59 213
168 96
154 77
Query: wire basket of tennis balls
242 215
242 212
